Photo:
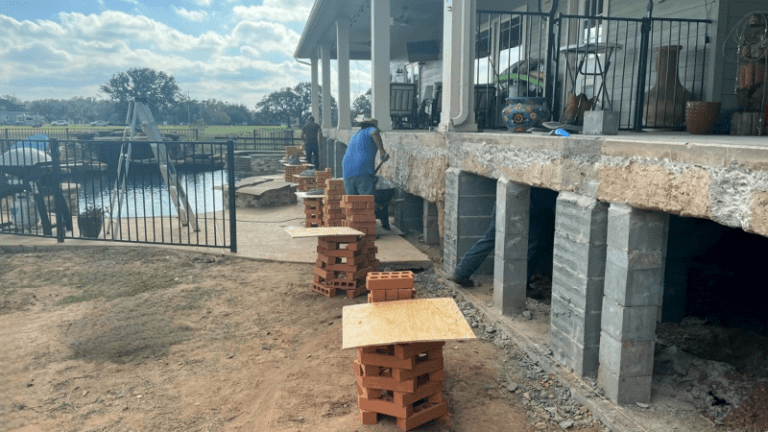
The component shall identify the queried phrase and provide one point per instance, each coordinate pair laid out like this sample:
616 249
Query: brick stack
305 182
388 286
321 177
404 381
294 151
359 214
333 214
340 265
313 209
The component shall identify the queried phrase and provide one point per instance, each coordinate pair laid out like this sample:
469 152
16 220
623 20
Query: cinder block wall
469 200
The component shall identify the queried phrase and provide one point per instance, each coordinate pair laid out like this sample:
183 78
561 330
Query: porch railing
635 66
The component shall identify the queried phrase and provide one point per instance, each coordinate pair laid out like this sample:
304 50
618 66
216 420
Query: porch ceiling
413 20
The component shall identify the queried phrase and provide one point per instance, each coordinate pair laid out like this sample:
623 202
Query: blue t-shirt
360 157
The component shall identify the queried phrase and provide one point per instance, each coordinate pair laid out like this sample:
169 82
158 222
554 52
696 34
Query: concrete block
601 123
583 327
472 184
634 287
624 390
635 230
511 247
509 285
476 205
636 323
588 290
626 359
584 361
473 225
635 259
430 223
582 258
581 218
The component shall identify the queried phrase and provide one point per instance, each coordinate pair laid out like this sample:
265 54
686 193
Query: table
583 51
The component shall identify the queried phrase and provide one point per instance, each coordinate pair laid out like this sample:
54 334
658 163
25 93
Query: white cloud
194 16
74 56
203 2
276 10
133 2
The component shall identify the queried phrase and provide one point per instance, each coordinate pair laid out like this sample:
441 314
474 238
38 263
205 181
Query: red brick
408 350
357 198
378 296
324 290
385 406
389 383
359 290
428 367
369 417
361 218
386 360
424 390
404 294
390 295
339 239
426 412
389 280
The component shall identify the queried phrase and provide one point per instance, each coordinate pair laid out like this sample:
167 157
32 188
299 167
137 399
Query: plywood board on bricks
403 321
296 231
302 195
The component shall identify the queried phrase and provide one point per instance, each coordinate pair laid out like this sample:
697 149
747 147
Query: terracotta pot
665 101
700 117
523 113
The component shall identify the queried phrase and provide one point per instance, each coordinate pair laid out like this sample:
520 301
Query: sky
232 50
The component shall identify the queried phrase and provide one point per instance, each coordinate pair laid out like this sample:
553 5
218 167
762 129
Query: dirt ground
132 339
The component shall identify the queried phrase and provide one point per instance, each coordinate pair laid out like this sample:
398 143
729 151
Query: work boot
464 283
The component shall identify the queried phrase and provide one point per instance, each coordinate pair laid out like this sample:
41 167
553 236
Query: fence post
196 135
552 52
645 35
232 198
56 190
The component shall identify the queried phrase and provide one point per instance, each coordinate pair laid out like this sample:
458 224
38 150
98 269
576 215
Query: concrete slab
261 234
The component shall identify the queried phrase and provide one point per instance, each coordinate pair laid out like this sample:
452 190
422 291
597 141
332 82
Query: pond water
147 194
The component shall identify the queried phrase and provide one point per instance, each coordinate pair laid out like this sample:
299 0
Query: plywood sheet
300 231
418 320
302 195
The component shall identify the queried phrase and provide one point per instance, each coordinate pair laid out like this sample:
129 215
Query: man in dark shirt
312 134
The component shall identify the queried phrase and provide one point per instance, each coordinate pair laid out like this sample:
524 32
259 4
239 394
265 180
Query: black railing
510 61
643 68
73 189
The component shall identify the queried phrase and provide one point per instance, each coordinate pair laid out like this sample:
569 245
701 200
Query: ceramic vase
665 101
521 114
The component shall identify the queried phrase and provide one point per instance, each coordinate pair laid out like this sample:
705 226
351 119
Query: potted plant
90 220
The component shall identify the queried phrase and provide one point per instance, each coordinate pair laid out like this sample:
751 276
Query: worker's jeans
313 154
473 259
364 184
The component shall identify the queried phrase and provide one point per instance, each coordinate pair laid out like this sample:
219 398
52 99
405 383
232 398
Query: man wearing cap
360 159
312 134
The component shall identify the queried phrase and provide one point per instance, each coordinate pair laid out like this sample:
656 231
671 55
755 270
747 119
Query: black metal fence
269 138
643 68
74 189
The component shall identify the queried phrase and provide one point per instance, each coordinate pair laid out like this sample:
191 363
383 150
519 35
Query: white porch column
342 57
380 63
326 53
458 112
315 87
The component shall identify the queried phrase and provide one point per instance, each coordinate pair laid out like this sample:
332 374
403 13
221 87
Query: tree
361 106
289 104
158 88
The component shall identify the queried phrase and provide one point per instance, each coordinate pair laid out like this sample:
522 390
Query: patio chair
402 105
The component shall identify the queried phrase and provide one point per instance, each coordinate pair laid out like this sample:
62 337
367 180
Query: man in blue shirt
360 159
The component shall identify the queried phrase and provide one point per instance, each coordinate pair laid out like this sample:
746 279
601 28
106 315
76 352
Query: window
593 27
499 44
